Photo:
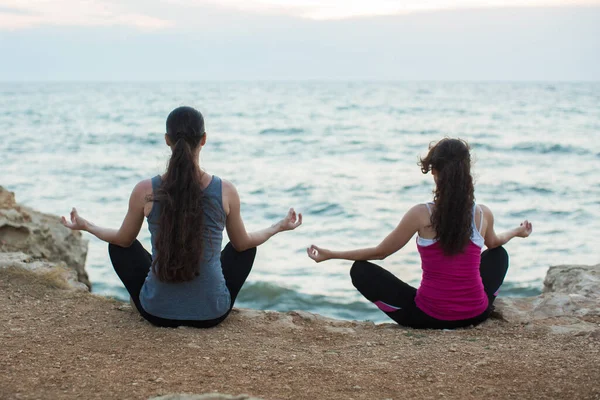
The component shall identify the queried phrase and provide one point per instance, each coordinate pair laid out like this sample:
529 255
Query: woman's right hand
524 230
76 223
318 254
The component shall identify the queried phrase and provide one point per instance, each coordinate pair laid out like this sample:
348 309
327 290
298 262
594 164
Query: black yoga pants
380 286
132 265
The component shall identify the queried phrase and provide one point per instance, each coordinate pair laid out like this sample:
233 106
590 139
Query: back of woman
451 286
207 288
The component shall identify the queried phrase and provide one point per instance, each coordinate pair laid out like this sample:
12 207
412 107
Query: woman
459 283
187 280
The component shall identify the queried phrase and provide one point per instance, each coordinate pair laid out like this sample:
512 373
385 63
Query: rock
573 279
338 322
7 198
577 329
303 315
52 273
340 329
571 294
282 321
248 313
41 236
515 309
207 396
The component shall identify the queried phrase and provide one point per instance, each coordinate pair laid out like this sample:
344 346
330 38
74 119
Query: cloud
16 11
19 14
342 9
161 14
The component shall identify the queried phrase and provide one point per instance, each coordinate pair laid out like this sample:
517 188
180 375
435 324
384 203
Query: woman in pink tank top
459 282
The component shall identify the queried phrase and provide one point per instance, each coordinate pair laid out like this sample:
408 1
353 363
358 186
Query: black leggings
380 286
133 263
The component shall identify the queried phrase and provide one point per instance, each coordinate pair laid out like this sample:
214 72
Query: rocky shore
40 236
59 341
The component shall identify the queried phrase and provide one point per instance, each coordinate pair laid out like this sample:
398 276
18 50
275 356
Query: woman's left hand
525 229
77 223
318 254
290 222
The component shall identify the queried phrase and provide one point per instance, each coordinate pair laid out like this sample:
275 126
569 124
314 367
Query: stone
571 294
580 279
56 274
41 236
576 329
304 315
340 329
7 199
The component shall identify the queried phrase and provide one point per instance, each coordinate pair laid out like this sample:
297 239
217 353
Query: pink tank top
451 287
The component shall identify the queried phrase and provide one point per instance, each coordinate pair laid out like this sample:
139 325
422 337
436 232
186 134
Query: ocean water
344 154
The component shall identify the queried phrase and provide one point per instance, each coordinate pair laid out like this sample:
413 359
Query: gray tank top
206 296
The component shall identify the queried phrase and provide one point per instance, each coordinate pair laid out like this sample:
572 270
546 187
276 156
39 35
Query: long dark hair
178 243
454 194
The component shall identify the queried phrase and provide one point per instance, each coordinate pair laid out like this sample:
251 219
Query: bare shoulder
486 210
142 189
418 219
140 196
143 185
419 213
488 216
231 199
228 188
419 209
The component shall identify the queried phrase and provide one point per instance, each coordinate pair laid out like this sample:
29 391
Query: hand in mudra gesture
318 254
291 221
76 223
525 229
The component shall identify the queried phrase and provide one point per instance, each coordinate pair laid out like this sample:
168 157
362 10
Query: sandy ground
60 344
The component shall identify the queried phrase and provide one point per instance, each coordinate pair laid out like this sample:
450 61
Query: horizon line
303 80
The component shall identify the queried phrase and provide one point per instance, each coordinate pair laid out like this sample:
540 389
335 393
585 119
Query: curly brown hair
454 194
178 243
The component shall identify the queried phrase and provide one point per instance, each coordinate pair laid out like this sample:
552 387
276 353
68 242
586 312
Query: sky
46 40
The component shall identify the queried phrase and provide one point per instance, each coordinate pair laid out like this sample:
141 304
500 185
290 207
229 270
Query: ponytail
179 243
454 194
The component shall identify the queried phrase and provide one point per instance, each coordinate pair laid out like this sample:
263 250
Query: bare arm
242 239
132 223
397 239
493 240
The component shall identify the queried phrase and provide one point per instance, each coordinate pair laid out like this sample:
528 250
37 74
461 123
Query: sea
343 153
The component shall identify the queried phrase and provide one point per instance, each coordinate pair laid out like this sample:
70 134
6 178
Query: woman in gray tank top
187 280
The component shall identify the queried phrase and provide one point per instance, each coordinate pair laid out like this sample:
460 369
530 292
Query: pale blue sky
299 39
